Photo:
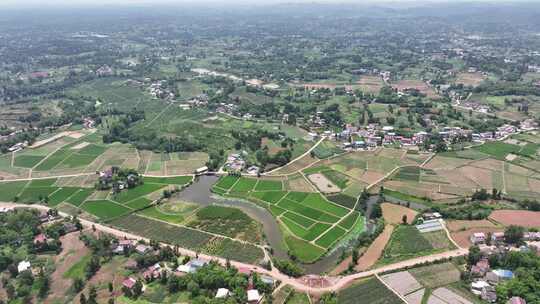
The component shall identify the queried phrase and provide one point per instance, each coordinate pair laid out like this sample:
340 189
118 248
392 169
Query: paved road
337 283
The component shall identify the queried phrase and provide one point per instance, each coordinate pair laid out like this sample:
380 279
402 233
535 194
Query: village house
153 272
478 238
222 293
481 268
40 240
143 249
516 300
23 266
497 237
253 296
129 283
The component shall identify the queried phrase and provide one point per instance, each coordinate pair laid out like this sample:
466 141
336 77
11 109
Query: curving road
335 283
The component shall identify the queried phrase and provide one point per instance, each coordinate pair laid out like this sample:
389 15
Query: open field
104 209
393 214
375 250
371 84
370 290
530 219
408 242
323 184
227 221
470 79
190 239
436 275
419 85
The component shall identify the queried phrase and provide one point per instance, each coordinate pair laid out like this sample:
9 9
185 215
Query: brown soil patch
462 237
470 79
76 135
110 272
523 218
72 251
298 183
416 84
482 177
296 166
371 84
370 177
393 213
375 250
457 225
323 183
491 164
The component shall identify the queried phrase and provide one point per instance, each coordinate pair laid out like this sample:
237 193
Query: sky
53 3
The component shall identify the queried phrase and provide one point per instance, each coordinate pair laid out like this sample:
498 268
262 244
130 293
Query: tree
82 299
474 255
404 219
514 234
92 295
110 286
137 289
376 211
355 257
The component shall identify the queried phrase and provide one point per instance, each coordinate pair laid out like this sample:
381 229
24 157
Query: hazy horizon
87 3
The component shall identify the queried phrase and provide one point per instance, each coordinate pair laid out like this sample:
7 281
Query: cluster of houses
200 100
373 135
235 162
486 279
159 91
104 71
192 266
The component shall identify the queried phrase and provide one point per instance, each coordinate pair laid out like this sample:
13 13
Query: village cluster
485 279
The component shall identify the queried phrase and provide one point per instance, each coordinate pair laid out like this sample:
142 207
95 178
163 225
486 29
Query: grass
406 242
76 271
244 185
191 239
317 201
370 291
155 213
498 149
337 178
78 198
226 182
139 203
298 298
307 212
139 191
436 275
343 200
42 182
61 195
269 185
9 190
176 180
348 222
231 222
408 174
27 161
34 194
303 250
269 197
105 209
303 221
330 237
326 149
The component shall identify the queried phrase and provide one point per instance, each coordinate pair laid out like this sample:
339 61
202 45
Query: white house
253 296
222 293
23 266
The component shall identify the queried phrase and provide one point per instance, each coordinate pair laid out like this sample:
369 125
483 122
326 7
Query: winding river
200 194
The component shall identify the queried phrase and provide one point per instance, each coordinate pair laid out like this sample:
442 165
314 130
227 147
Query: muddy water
200 194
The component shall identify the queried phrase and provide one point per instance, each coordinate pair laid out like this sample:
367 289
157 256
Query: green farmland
311 224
